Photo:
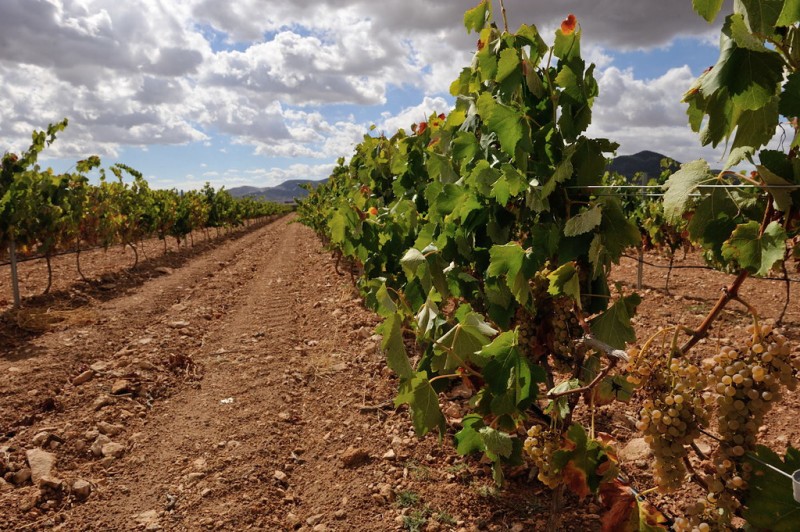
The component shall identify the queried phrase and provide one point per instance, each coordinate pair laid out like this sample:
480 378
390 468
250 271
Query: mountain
286 192
648 162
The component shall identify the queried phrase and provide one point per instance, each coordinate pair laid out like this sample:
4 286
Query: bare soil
246 390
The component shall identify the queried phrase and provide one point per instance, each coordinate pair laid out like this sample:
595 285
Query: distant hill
286 192
648 162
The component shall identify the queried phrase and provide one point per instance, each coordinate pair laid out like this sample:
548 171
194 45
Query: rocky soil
241 387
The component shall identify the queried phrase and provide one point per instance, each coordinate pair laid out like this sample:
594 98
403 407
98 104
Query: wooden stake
12 251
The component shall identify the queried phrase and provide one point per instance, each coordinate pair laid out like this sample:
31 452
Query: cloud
276 79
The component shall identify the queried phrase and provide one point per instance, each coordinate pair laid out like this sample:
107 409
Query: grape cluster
671 418
744 384
540 445
565 328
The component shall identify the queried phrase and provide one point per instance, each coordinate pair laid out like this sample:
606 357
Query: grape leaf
507 123
510 376
769 504
790 97
614 325
680 186
423 402
736 28
565 282
753 252
762 15
782 196
498 444
385 304
508 65
584 222
393 346
468 439
475 18
584 463
707 9
790 13
512 262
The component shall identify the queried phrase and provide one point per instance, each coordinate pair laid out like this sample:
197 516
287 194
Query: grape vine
480 232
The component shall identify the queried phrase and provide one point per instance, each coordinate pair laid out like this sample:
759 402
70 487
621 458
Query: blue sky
254 92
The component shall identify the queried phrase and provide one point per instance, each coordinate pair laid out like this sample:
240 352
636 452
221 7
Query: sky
256 92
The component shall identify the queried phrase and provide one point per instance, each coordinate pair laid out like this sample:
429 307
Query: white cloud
147 72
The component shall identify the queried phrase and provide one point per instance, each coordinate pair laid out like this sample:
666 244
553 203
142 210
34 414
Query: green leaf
680 186
736 28
713 220
498 444
762 15
511 261
560 407
790 98
508 65
567 47
475 18
464 341
393 346
782 196
506 122
618 231
510 376
386 305
584 222
614 325
707 9
769 504
756 253
411 262
790 13
751 78
423 402
468 439
565 282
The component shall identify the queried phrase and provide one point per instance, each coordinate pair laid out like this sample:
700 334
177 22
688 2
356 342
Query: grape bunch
540 445
671 418
745 383
565 328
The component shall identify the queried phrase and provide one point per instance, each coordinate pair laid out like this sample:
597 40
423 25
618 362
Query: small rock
320 528
206 492
341 366
180 324
281 477
285 416
517 527
41 439
99 442
354 457
191 478
122 386
314 519
113 449
340 514
83 378
109 429
51 483
293 521
5 486
41 463
390 455
99 367
29 502
100 402
164 270
148 520
82 489
21 477
636 449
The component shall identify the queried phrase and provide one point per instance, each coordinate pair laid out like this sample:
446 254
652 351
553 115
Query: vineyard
482 235
43 214
472 325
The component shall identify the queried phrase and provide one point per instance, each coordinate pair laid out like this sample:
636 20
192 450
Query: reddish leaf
576 480
620 502
568 25
421 128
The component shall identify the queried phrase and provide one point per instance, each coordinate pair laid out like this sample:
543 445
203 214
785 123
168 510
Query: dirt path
245 390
